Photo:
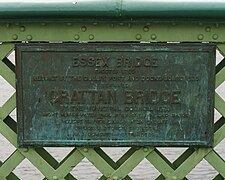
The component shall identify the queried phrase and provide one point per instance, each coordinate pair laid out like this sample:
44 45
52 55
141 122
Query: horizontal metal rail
122 9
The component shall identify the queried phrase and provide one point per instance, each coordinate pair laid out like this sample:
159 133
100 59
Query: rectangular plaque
115 94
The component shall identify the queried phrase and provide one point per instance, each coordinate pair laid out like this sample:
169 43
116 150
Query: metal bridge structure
81 21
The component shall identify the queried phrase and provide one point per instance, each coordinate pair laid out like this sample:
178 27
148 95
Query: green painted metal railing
113 8
105 31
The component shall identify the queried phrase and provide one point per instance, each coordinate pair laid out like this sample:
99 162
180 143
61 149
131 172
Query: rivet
55 177
167 174
145 149
215 36
83 28
153 36
91 36
174 177
146 29
25 150
85 149
76 37
22 28
200 24
95 24
208 29
138 37
200 37
43 24
29 37
115 178
14 36
69 24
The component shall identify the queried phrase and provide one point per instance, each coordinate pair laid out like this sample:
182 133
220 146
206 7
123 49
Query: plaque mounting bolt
153 36
85 149
76 37
55 177
22 28
145 149
25 150
174 177
138 37
208 29
91 36
215 36
146 29
200 37
29 37
14 36
115 178
83 28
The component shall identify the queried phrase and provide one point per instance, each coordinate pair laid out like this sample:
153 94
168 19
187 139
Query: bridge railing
105 21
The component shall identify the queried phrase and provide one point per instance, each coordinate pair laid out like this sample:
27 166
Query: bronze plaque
115 94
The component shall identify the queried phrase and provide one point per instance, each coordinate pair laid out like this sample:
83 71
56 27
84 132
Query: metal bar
51 161
97 161
8 74
9 64
11 163
219 104
69 162
114 9
117 164
218 177
131 163
5 49
11 123
46 169
190 163
8 133
220 66
160 163
219 135
217 162
8 107
219 124
112 32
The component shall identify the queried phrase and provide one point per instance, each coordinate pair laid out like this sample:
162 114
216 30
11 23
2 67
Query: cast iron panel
115 94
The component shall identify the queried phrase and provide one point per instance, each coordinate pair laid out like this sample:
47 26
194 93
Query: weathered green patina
126 94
